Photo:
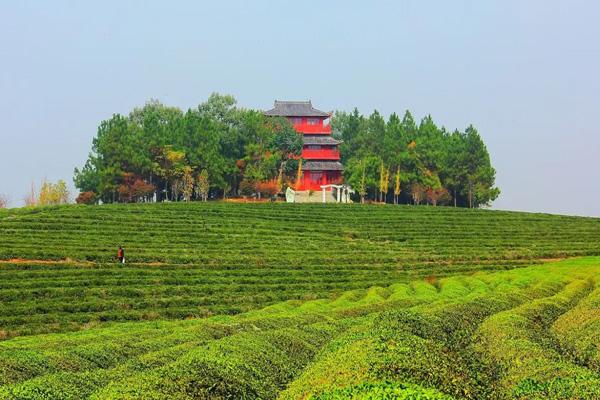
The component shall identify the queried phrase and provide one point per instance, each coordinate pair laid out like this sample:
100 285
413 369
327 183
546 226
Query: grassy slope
220 258
459 333
223 234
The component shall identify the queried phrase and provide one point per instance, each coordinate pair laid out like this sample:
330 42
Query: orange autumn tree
134 189
267 188
299 175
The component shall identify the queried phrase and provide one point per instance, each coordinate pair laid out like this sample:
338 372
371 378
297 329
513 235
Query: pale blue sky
525 73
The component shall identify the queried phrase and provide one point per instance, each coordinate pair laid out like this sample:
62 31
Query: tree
397 188
226 189
431 184
417 191
133 189
248 187
386 184
30 198
299 174
87 179
88 198
286 143
480 175
45 195
187 181
169 165
202 185
382 184
454 171
348 128
267 188
284 139
114 151
53 193
364 173
176 189
434 196
362 186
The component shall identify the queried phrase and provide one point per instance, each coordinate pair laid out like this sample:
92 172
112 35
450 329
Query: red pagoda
320 154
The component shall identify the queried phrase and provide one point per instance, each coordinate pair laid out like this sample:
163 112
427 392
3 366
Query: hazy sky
525 73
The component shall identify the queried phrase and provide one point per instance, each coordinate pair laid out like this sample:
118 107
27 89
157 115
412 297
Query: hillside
528 333
261 235
196 260
221 300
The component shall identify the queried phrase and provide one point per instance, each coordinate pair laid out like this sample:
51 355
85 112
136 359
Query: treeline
401 161
160 153
217 150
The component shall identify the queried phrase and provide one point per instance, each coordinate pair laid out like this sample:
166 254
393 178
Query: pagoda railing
314 129
321 154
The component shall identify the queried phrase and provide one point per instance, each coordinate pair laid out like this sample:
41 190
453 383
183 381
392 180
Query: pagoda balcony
313 129
321 154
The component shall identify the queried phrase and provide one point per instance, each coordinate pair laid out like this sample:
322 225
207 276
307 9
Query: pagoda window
296 120
313 121
313 147
316 176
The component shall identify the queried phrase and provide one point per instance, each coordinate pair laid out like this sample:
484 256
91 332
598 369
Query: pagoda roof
295 109
323 140
322 166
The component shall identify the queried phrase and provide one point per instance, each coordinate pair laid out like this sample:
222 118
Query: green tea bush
383 391
279 301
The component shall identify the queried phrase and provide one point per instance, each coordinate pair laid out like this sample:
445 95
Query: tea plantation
228 301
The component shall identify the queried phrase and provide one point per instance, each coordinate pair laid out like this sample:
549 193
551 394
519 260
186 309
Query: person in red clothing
121 255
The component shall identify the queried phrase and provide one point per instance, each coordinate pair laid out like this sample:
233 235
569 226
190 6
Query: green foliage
416 341
383 391
429 156
363 174
443 339
220 258
219 301
158 144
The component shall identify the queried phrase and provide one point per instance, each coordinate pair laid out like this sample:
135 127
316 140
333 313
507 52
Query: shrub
267 188
247 187
86 198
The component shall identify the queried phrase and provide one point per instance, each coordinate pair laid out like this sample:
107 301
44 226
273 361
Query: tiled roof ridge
322 166
288 108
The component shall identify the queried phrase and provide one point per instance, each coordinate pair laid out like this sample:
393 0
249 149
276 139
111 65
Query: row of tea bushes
455 337
295 235
197 260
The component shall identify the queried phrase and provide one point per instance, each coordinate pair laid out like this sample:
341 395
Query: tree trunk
470 196
454 197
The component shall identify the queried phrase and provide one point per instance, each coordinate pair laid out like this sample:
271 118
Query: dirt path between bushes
23 261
